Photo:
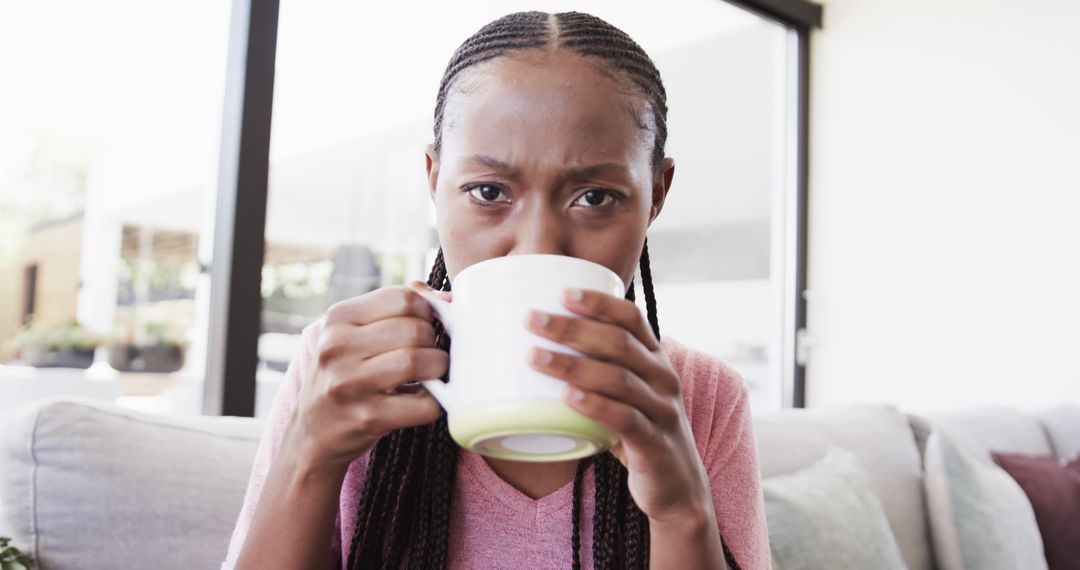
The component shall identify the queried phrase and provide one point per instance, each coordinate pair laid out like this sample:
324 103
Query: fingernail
574 395
538 319
575 295
540 356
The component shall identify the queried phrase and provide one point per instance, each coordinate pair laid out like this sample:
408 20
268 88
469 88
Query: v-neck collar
513 498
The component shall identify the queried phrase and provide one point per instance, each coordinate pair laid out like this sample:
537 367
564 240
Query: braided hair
402 518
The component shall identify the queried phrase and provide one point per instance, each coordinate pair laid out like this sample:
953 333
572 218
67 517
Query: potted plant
154 348
163 351
66 345
120 349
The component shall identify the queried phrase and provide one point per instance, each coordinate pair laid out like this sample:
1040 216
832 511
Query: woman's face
543 153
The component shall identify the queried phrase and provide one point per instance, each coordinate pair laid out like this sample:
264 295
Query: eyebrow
594 170
494 164
578 173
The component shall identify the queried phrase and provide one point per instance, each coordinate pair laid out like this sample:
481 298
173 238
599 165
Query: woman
549 138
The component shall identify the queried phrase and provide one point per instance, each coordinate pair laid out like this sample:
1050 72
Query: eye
488 193
594 198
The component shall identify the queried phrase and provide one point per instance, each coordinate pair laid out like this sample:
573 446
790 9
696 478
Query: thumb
421 287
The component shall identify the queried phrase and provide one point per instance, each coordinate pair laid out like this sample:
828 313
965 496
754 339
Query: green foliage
59 336
162 333
11 558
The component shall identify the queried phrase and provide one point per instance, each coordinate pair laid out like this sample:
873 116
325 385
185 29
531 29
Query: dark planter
160 358
121 356
154 358
50 357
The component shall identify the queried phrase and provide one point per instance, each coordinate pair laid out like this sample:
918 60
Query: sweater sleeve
280 412
717 403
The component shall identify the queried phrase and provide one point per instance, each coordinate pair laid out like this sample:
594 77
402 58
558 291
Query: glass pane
349 209
109 128
717 250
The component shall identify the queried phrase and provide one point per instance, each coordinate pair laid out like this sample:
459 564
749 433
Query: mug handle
444 309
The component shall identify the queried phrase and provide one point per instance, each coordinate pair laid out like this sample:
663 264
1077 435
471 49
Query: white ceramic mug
497 404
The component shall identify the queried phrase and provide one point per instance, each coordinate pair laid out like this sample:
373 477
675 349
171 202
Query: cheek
462 239
618 251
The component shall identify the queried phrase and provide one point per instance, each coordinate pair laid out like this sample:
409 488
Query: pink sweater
493 525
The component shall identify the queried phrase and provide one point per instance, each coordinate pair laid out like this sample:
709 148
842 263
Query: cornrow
523 30
580 33
403 516
590 36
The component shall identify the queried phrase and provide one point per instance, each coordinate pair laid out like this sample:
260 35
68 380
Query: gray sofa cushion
1063 426
881 439
982 430
827 516
980 517
90 485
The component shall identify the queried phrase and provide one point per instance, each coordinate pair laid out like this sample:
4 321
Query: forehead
552 104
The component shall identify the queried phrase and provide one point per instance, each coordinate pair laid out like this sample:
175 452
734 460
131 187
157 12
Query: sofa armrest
84 482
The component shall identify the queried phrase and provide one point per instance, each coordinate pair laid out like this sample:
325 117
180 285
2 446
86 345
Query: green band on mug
528 431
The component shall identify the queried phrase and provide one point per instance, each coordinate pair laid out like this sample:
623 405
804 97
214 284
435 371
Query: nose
540 229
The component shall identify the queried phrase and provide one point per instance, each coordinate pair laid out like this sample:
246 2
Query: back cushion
1063 426
880 438
983 430
90 485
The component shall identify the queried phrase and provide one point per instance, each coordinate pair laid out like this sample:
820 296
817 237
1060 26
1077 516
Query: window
111 117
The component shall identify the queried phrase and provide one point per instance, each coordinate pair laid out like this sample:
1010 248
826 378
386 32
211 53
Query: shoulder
703 376
713 393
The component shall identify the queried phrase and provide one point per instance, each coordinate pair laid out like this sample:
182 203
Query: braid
575 533
646 284
367 498
403 514
446 452
604 528
403 510
437 279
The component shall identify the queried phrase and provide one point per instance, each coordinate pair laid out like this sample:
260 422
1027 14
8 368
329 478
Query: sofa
86 484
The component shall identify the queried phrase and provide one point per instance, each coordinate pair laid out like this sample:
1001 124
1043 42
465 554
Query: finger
399 411
378 305
383 373
628 423
610 309
378 337
604 341
606 379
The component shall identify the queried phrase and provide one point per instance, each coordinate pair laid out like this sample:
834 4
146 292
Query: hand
352 395
626 383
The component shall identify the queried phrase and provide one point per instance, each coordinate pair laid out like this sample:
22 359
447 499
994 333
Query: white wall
944 234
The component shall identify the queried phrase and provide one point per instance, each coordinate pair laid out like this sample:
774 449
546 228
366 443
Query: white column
99 262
